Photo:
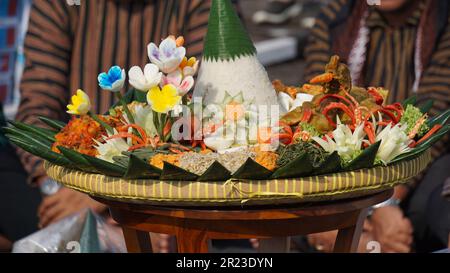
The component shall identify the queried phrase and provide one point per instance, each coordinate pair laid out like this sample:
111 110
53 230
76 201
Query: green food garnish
410 117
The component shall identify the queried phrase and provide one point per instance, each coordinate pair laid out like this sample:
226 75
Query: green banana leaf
45 133
77 159
411 100
55 124
422 147
143 154
215 172
439 119
174 173
105 167
332 164
28 137
426 107
299 167
89 241
122 160
140 169
44 153
365 160
252 170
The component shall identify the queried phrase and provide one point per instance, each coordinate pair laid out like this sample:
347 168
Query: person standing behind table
404 46
67 46
18 202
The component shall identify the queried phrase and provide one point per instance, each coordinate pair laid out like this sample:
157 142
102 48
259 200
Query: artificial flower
223 138
167 56
176 79
163 100
111 148
235 123
347 143
80 104
143 117
288 103
189 67
113 80
394 142
144 80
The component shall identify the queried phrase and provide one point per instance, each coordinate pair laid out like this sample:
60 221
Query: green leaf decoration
55 124
171 172
215 172
227 38
252 170
28 137
439 119
422 147
122 160
411 100
143 154
140 169
45 133
78 160
299 167
426 107
89 241
105 167
42 152
332 164
365 160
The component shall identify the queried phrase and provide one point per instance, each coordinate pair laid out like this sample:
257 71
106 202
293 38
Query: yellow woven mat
236 192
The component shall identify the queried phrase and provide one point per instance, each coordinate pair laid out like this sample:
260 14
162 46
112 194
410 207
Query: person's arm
435 85
45 85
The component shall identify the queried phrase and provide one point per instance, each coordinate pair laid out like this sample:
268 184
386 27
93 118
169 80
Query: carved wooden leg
192 241
137 241
348 238
275 245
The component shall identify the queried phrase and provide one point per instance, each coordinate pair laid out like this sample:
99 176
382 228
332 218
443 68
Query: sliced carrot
127 135
137 147
324 78
433 130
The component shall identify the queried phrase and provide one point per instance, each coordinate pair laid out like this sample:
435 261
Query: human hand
392 230
64 203
324 241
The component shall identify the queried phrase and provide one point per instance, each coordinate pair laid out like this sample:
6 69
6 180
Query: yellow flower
162 101
80 105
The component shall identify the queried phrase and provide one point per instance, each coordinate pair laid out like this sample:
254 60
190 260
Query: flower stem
127 111
125 107
108 128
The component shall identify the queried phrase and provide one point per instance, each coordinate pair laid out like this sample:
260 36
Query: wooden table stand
194 227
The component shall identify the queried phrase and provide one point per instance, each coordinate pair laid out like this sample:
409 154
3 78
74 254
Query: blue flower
113 80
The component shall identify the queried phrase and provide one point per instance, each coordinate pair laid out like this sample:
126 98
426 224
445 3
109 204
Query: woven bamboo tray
242 192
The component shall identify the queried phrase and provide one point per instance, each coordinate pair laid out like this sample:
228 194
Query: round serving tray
242 192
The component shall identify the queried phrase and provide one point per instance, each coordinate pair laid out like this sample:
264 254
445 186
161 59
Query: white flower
222 139
146 80
288 104
175 78
143 117
111 148
346 143
394 142
167 56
